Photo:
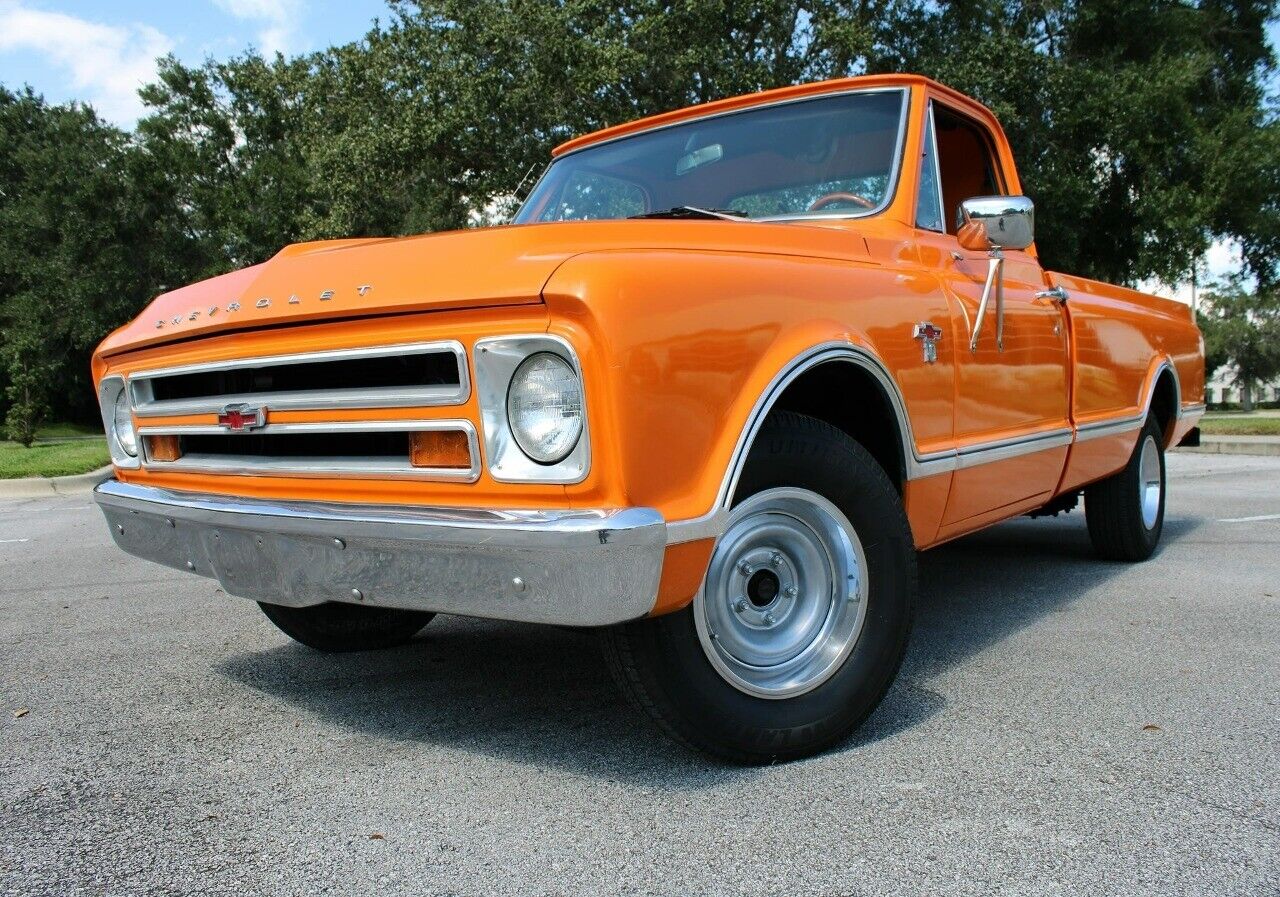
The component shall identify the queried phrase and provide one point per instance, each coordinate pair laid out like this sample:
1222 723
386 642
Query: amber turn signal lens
439 448
163 448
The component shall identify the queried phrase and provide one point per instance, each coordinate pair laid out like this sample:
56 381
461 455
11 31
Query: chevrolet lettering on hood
264 302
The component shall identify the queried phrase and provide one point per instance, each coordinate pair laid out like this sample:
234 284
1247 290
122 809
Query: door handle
1057 294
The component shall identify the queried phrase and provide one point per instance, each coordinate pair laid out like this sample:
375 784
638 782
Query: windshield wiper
695 212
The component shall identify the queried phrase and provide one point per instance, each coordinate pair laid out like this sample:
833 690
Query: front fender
680 348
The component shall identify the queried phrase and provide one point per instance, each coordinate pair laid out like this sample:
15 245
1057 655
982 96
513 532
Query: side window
929 200
589 195
966 163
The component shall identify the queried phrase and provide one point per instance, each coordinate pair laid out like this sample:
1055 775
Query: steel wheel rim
799 548
1149 482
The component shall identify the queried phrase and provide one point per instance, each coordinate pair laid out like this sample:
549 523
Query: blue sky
99 51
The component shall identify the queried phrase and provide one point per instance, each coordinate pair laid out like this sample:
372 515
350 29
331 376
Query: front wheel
803 618
1125 512
335 627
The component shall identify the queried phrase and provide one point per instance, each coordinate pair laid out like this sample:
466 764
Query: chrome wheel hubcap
1149 482
785 595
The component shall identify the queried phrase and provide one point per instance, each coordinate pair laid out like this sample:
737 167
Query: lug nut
744 568
775 560
740 605
792 591
769 619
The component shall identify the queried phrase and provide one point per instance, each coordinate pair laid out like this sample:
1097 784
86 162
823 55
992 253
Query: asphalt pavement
1062 726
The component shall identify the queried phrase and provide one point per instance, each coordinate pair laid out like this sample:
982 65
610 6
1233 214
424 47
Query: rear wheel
335 627
1125 512
803 618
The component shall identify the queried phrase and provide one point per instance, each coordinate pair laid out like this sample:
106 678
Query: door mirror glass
997 222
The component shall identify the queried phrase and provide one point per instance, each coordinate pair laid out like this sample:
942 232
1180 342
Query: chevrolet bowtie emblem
242 418
928 335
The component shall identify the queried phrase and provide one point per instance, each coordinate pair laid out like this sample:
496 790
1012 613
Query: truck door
1012 423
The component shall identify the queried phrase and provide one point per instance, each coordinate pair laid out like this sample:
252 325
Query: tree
1140 126
1242 328
1141 129
85 247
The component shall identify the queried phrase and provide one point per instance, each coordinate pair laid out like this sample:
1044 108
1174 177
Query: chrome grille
243 437
399 376
329 449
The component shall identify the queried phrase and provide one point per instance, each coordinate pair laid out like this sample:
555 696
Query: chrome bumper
576 568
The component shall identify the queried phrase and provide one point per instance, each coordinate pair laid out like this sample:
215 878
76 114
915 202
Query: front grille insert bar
399 376
369 449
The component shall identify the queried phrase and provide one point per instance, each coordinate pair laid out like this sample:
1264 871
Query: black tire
1114 508
661 663
336 627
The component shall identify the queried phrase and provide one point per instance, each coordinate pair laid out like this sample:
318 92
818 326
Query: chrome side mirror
997 222
992 224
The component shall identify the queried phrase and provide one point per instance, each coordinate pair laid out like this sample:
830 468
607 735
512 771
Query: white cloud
108 63
1223 258
278 20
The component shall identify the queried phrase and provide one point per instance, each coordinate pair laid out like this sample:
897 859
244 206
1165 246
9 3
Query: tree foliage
85 244
1241 327
1140 127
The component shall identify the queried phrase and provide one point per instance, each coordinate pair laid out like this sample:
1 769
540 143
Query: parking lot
1061 726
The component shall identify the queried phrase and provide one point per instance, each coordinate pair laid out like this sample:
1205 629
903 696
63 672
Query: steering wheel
840 196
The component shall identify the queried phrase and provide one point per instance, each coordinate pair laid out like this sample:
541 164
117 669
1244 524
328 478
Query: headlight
122 425
544 407
122 438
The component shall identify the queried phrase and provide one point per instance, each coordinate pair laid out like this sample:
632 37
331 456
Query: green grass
62 430
1213 425
54 460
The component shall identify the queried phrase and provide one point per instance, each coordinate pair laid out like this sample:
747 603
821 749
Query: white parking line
1249 519
12 541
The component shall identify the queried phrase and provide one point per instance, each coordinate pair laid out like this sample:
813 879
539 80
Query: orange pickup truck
726 372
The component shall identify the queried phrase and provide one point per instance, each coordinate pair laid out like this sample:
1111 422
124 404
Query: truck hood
498 266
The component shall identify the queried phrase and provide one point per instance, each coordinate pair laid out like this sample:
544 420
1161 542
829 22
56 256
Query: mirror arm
995 280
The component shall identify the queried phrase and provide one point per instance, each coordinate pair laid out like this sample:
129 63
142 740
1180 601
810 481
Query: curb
1236 445
42 487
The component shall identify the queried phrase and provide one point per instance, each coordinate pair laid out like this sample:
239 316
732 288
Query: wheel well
1164 403
850 398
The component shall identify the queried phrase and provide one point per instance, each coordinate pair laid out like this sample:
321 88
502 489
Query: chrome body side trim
1109 427
145 405
820 354
312 466
569 567
1015 447
711 524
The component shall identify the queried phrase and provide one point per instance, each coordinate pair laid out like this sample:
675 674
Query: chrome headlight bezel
497 360
111 391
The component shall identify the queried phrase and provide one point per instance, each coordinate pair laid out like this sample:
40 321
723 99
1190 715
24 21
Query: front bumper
575 568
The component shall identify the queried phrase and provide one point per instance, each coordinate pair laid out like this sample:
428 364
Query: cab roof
764 97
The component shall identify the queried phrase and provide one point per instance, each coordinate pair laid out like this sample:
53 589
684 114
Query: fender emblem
242 418
928 335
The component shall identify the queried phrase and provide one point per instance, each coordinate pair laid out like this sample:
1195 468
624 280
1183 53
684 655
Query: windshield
829 156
